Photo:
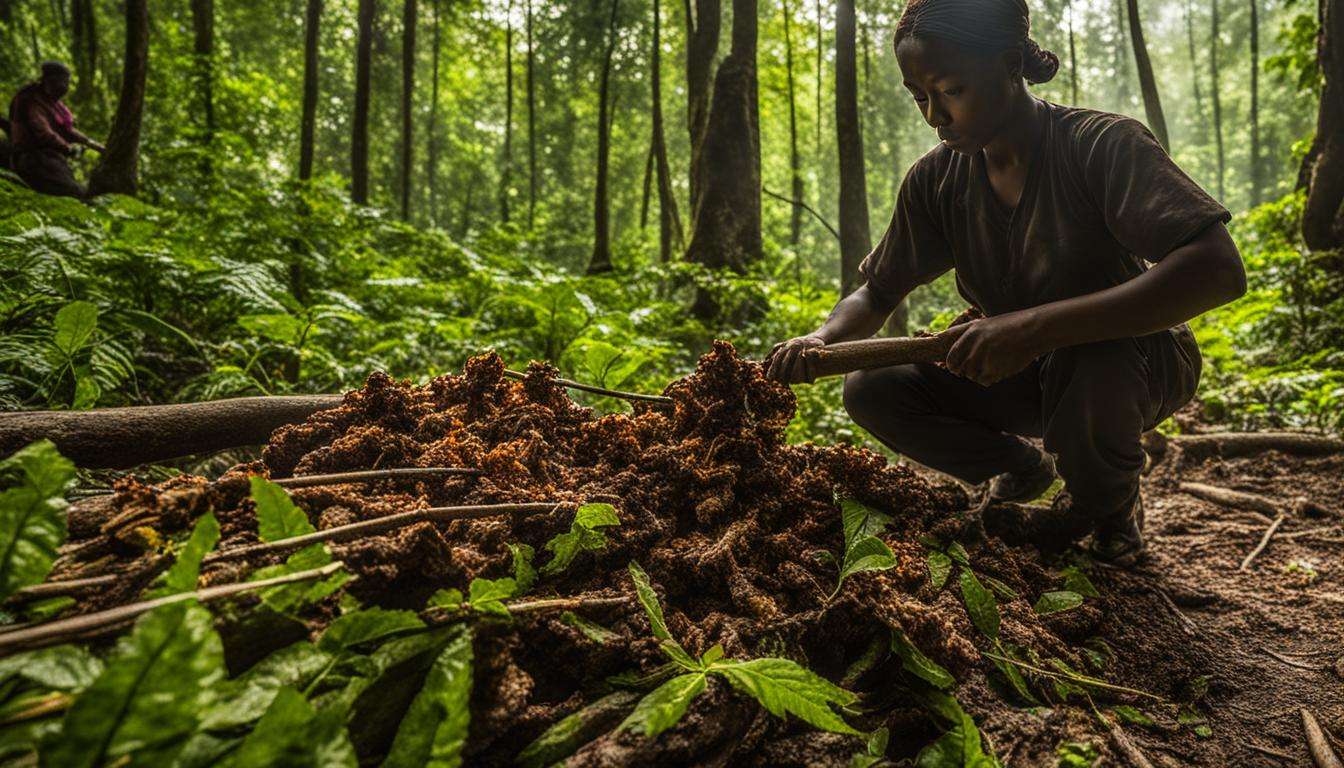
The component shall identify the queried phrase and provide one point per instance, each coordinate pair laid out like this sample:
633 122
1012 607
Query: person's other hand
786 362
994 348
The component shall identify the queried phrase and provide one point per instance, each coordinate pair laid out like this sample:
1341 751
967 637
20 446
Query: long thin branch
1264 542
437 616
569 384
805 207
378 525
1229 498
370 475
78 626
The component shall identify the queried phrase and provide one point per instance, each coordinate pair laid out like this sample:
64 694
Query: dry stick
1230 498
58 631
369 475
1128 748
1292 662
378 525
1321 751
1309 532
847 356
1085 679
436 616
567 383
1264 542
1268 751
75 586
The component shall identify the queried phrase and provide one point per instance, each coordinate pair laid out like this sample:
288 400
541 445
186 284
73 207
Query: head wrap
984 26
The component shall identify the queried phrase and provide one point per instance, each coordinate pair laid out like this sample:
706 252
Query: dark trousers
48 173
1090 403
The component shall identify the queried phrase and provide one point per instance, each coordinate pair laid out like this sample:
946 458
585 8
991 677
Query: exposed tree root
1126 746
1264 542
1230 445
1235 499
1321 752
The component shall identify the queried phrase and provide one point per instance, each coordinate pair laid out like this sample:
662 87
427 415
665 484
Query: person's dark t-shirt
1101 197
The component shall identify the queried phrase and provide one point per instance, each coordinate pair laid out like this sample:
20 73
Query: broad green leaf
487 595
434 729
32 514
187 568
958 554
861 521
562 739
649 599
365 626
1056 602
919 665
246 698
277 516
294 734
664 705
1001 589
863 550
1076 581
151 695
280 327
1133 715
62 667
74 326
782 686
712 655
596 516
523 573
87 390
582 536
445 598
867 554
1012 674
980 604
940 567
288 597
591 630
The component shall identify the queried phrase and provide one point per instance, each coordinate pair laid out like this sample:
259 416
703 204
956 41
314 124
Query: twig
378 525
805 207
567 383
1309 532
1321 751
1264 542
369 475
75 586
1077 678
1229 498
1269 752
58 631
1291 662
436 616
1128 748
51 703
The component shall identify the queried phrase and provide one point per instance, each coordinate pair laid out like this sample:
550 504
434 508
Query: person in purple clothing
43 134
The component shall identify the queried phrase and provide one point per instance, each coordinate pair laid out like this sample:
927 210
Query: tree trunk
84 48
1152 104
1217 103
1255 102
409 14
648 186
669 222
728 166
359 137
203 27
854 235
1194 65
118 169
795 163
601 258
432 130
702 44
531 125
1121 57
1323 216
1073 59
308 124
820 161
506 179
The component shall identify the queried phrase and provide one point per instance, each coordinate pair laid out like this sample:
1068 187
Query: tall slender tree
531 124
410 13
308 123
601 258
1073 58
855 239
506 172
1152 103
359 137
1214 42
702 44
669 222
84 49
203 50
1323 166
728 166
1122 91
118 169
1194 62
1255 103
432 129
795 163
820 48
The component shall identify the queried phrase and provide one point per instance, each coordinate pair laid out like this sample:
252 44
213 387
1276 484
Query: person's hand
994 348
786 362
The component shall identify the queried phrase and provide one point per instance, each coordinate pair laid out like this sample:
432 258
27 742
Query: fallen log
118 438
1321 752
1229 445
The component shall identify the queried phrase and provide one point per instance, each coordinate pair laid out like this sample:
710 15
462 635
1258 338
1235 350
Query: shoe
1023 486
1120 542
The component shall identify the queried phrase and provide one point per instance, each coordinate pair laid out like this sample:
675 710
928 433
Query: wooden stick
848 356
1264 542
1293 662
437 616
1126 746
378 525
1229 498
567 383
370 475
1269 752
1309 532
118 438
58 631
67 587
1233 444
1321 752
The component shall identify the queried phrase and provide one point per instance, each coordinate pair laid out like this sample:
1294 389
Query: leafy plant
434 729
186 569
864 551
1057 602
780 685
278 518
32 519
583 536
1075 754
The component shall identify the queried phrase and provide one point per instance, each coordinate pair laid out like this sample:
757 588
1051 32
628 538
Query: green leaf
150 696
1057 602
187 568
32 514
980 604
940 567
450 599
566 736
365 626
74 325
288 597
294 734
434 729
523 572
649 599
861 521
1131 714
712 655
277 516
1076 581
919 665
487 595
958 554
63 667
1012 674
581 537
591 630
247 697
863 550
867 554
664 705
1001 589
782 686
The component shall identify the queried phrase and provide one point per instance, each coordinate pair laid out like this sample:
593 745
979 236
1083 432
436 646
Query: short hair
54 69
